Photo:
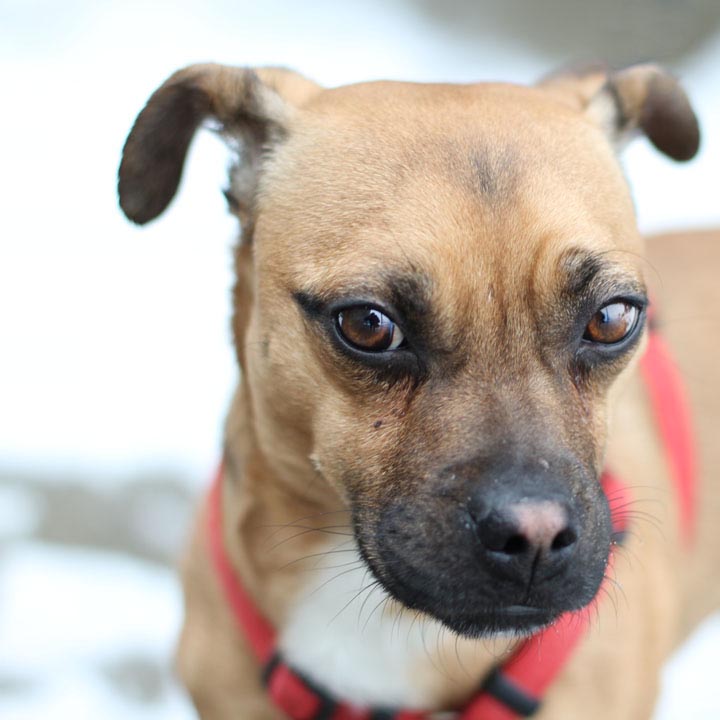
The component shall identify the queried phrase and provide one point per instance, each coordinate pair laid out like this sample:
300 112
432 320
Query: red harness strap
258 631
514 688
672 414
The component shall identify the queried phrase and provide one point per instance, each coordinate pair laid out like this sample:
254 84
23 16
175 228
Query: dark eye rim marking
402 361
383 358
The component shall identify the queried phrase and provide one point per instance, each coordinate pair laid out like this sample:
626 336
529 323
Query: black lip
520 611
515 619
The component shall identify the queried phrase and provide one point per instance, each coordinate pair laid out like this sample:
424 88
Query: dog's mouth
460 615
521 611
514 619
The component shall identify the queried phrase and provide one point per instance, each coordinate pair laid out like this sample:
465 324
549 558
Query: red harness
514 688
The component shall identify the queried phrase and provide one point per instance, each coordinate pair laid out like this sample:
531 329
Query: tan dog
440 304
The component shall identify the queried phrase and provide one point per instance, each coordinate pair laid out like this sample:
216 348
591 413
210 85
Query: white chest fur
344 633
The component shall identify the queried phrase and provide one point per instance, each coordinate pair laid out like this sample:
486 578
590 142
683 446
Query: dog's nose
529 539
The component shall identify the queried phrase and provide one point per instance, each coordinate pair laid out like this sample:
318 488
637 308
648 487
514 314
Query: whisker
635 514
653 523
396 624
310 516
293 523
618 589
383 600
364 602
438 650
638 256
629 554
412 623
317 555
423 638
334 577
460 662
357 563
323 530
637 501
653 488
605 592
352 599
337 549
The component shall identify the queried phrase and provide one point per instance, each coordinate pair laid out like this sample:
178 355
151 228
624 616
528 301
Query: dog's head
438 289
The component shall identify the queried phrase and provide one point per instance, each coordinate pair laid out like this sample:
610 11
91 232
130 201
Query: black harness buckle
503 689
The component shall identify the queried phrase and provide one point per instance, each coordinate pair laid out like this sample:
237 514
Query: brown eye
612 323
366 328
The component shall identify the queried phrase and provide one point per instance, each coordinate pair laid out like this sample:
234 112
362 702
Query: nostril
516 545
565 538
499 534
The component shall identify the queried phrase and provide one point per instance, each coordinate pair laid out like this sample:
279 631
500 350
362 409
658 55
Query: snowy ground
116 365
89 600
86 634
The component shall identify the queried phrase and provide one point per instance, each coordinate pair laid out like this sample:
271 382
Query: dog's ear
641 98
250 107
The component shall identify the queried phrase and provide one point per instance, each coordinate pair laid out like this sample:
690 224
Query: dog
440 312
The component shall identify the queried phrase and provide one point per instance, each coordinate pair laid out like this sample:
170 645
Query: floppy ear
252 106
641 98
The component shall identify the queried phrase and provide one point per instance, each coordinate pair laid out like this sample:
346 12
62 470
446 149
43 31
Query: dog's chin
472 620
514 620
481 621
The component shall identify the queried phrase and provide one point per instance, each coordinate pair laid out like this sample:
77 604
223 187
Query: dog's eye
612 323
367 328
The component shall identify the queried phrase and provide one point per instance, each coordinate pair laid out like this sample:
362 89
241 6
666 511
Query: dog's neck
294 549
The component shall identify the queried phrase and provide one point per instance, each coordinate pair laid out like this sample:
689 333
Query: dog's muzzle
493 549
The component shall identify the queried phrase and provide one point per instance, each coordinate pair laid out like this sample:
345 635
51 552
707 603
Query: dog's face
439 289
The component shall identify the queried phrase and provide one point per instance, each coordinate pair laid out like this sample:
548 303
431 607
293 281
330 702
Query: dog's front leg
213 660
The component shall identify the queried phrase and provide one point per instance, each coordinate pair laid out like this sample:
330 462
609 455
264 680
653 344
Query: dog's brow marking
411 294
408 292
310 303
581 268
585 270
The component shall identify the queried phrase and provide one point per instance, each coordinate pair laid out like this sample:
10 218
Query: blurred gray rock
147 516
137 678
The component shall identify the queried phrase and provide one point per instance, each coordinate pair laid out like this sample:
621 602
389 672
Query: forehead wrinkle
493 171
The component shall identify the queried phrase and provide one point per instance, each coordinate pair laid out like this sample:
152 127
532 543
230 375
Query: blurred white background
116 358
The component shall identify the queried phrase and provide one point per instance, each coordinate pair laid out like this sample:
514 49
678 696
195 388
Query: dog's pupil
373 320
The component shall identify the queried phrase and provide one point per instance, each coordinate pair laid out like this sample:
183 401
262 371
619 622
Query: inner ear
250 107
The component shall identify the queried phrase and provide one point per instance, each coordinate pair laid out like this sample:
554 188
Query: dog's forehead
438 177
